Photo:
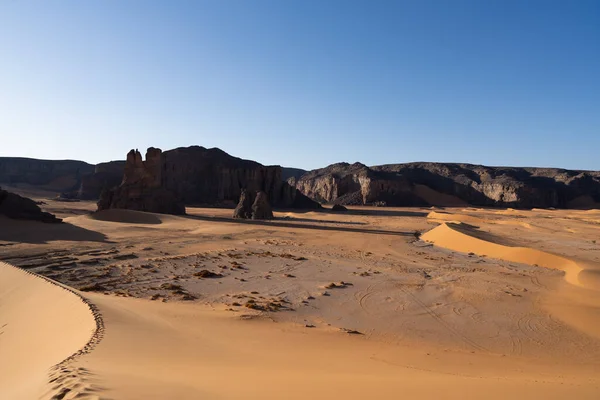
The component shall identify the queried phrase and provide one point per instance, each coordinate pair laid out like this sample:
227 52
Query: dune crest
461 237
43 326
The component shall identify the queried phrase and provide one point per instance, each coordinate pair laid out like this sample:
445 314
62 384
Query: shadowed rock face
198 176
212 177
244 208
105 176
17 207
417 184
253 205
143 186
261 209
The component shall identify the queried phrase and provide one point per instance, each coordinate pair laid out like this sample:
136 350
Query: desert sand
371 303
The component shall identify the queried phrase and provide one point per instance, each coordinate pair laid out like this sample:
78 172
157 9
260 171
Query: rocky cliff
69 178
197 176
446 184
54 175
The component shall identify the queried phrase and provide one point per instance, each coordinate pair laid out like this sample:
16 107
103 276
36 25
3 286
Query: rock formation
253 205
244 208
445 184
199 176
261 209
357 184
212 177
17 207
143 187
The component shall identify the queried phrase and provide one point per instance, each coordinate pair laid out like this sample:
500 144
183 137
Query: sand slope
41 324
187 351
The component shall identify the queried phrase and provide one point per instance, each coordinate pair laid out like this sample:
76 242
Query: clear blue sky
304 83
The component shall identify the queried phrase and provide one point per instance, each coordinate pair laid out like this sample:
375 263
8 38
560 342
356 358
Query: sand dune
41 324
460 237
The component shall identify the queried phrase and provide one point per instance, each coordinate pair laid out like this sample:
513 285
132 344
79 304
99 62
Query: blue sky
304 83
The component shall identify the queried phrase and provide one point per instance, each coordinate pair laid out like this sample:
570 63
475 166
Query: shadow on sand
286 223
380 213
319 221
39 233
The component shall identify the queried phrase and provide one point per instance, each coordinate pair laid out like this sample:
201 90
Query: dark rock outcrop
212 177
143 187
244 208
253 205
261 209
445 184
199 176
17 207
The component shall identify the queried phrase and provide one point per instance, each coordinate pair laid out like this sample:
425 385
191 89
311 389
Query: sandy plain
372 303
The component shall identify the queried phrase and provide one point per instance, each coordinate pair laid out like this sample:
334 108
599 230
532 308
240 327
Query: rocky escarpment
54 175
357 184
17 207
445 184
69 178
204 176
197 176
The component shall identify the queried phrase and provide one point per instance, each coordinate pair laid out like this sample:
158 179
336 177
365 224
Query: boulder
17 207
261 209
244 207
253 205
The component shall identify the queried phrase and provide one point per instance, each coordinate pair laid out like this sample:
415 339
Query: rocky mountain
67 178
196 176
447 184
54 175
